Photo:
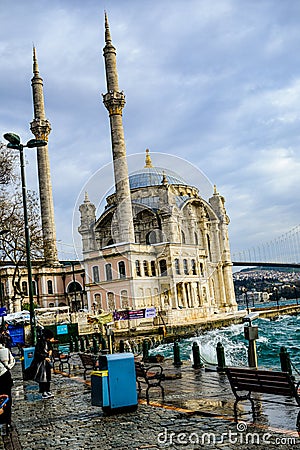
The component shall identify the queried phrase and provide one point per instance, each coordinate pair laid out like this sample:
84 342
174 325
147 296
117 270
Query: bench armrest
297 394
155 371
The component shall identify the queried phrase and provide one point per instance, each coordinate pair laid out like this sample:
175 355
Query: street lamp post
296 296
2 232
276 296
15 143
246 298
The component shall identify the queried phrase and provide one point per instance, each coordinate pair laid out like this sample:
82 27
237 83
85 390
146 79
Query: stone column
184 297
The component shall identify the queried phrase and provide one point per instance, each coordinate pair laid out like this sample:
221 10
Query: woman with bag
7 362
41 364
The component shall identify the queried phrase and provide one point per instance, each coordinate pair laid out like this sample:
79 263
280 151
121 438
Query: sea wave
273 334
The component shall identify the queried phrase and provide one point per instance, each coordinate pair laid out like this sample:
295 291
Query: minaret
87 221
114 101
41 128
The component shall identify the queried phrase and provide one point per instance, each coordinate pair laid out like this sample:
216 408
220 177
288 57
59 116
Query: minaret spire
41 128
107 31
114 101
35 63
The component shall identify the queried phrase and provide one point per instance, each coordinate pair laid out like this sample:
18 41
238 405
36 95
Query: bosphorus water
273 334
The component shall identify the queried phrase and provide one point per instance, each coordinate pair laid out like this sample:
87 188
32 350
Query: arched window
96 277
74 287
201 269
141 297
146 269
137 268
163 267
111 301
153 269
24 288
108 272
122 269
182 237
208 247
154 237
177 267
98 301
196 238
33 287
194 268
185 267
124 299
50 286
151 238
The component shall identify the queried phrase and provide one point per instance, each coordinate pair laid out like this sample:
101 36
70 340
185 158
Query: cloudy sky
212 89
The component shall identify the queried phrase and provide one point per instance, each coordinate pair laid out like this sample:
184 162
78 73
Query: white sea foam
272 335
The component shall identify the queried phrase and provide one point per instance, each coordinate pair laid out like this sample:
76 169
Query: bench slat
264 389
260 382
257 371
263 380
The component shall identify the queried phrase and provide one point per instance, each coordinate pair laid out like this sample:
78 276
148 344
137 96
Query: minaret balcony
40 128
114 102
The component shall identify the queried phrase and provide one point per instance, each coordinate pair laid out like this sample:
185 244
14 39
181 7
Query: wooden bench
88 361
244 381
152 376
60 358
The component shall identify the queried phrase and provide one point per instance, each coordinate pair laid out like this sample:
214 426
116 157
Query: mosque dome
153 176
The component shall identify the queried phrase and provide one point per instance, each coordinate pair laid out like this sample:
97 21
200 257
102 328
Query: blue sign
62 329
3 312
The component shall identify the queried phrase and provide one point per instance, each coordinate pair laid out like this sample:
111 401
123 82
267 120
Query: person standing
42 363
7 337
7 362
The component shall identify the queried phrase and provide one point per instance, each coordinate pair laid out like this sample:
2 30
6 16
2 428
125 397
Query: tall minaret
41 128
114 101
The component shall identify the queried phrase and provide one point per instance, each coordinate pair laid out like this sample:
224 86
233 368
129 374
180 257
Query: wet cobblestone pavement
196 414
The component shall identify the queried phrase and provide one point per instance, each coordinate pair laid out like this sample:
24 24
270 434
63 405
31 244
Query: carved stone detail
40 128
114 102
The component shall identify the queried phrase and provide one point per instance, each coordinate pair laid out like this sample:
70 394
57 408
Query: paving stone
69 421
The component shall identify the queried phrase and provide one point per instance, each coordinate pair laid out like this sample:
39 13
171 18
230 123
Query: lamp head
12 138
15 146
36 143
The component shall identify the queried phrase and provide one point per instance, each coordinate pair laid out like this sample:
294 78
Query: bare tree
12 231
7 165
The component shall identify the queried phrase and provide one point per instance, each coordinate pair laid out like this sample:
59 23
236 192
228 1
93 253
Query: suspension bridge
283 251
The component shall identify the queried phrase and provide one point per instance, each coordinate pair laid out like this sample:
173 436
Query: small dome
153 176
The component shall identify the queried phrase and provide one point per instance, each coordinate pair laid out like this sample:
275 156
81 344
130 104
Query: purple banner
129 314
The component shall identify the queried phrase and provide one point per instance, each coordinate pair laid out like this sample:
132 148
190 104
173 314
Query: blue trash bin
28 354
114 385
